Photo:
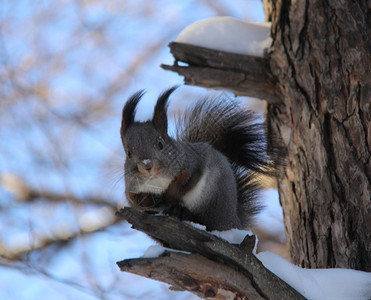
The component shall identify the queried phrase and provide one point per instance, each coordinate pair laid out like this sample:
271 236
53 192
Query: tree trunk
321 61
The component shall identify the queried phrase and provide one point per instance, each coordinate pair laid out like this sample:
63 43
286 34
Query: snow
341 284
158 250
311 283
228 34
196 225
233 236
153 251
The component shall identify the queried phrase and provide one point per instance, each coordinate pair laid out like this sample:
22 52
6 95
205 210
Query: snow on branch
213 267
228 34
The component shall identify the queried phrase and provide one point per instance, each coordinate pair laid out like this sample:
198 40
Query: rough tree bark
321 61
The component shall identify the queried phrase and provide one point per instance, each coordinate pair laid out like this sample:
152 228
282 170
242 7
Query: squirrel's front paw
173 211
178 211
143 201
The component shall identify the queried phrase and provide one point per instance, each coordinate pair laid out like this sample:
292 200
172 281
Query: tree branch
206 250
241 74
195 273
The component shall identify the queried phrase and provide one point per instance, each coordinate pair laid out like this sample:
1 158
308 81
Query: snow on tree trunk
321 59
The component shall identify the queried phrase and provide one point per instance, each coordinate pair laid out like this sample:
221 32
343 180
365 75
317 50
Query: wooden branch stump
242 74
213 269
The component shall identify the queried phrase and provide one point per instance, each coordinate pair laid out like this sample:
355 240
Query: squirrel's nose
146 164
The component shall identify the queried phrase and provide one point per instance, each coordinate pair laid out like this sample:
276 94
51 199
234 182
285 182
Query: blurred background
67 68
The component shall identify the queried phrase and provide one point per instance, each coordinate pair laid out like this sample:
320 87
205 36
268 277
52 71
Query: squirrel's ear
128 112
159 119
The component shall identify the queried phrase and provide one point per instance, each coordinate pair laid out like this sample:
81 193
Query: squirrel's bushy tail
237 133
232 130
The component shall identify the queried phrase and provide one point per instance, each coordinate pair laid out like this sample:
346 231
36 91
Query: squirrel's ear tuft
159 119
128 112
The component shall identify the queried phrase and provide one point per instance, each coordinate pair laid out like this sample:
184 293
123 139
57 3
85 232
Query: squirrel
206 173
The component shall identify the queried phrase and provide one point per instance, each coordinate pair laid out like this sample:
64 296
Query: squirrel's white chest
193 198
155 185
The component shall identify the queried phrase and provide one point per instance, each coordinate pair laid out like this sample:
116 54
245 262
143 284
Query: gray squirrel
206 173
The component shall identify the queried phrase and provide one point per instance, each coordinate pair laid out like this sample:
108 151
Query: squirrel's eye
160 146
128 154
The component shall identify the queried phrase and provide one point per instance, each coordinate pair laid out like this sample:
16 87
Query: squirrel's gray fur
205 174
